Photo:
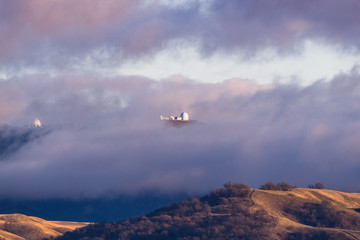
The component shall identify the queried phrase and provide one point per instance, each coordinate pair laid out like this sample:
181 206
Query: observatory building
184 116
37 123
175 121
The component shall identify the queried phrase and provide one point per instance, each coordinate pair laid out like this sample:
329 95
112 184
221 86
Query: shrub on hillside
231 190
318 185
268 186
281 186
284 186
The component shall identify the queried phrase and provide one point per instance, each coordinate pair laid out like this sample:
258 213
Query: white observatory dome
37 123
184 116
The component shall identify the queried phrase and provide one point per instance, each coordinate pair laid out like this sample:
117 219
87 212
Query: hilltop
21 227
237 212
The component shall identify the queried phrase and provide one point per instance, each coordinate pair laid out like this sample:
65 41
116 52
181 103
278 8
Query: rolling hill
237 212
21 227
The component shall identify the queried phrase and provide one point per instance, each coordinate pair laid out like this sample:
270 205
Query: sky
274 87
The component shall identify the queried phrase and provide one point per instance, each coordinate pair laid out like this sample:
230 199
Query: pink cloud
63 33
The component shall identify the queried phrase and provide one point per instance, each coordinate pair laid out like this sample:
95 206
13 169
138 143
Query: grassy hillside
18 226
236 212
312 213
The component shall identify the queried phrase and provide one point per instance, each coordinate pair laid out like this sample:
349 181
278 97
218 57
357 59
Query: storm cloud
107 137
67 34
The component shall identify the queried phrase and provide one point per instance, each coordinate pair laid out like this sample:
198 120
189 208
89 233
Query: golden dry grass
18 226
274 201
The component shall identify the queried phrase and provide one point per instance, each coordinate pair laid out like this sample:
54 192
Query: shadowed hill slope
237 212
20 227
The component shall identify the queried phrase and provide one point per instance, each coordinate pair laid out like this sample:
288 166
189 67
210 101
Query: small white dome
184 116
37 123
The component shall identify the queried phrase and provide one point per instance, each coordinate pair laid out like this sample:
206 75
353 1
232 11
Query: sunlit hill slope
20 227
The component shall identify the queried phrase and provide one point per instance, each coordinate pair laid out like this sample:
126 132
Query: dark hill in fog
237 212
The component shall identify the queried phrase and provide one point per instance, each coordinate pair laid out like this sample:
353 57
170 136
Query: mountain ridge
238 212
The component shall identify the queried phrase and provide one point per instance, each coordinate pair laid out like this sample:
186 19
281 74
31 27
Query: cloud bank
67 34
107 138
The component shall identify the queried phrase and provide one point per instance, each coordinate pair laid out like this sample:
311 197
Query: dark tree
236 189
318 185
232 190
268 186
284 186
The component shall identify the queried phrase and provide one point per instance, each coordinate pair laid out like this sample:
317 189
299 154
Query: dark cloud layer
64 34
108 138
